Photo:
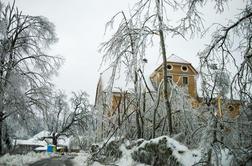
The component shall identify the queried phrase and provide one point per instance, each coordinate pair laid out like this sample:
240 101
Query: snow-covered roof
41 135
121 82
30 142
37 140
176 59
42 148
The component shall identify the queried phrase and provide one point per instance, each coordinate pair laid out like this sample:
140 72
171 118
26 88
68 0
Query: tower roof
176 59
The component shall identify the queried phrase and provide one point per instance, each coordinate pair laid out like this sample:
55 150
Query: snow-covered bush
108 151
159 151
165 151
153 153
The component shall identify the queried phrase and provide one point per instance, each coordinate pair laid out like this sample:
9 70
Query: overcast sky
80 26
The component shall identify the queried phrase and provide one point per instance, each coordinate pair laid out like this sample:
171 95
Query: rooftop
174 58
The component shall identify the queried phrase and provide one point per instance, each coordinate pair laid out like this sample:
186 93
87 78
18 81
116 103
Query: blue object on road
50 148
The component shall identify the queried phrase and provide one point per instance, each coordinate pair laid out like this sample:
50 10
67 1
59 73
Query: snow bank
81 159
161 151
226 157
21 160
181 153
126 158
143 152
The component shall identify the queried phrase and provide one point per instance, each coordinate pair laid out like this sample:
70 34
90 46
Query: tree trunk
1 140
139 133
144 107
213 125
154 124
162 45
55 139
119 112
155 112
209 156
1 132
137 109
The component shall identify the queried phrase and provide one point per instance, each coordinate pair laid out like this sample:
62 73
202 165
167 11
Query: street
55 161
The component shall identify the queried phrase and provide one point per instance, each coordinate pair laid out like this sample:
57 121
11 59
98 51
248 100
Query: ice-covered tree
62 119
126 47
229 51
25 68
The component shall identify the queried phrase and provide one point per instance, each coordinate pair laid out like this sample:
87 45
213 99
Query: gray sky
80 26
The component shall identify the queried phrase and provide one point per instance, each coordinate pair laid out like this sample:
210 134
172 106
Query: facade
179 71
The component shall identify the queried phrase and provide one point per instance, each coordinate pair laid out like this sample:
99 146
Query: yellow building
179 71
183 74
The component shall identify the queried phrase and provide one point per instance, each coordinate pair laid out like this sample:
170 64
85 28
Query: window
169 77
169 67
184 68
185 80
231 108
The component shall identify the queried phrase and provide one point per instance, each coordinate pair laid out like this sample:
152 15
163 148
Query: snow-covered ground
187 158
182 154
22 160
126 158
81 159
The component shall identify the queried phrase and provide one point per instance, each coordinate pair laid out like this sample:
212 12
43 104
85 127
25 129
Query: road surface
54 161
